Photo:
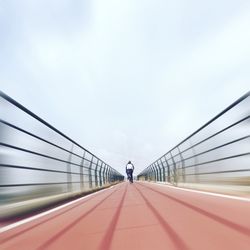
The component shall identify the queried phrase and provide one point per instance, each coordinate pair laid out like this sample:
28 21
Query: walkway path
137 216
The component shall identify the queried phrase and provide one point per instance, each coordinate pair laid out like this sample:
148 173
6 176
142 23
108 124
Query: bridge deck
137 216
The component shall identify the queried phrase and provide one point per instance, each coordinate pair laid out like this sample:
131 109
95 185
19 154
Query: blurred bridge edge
215 157
39 165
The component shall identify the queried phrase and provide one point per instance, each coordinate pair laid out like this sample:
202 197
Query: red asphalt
141 216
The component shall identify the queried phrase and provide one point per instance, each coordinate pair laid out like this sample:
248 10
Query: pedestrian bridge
55 194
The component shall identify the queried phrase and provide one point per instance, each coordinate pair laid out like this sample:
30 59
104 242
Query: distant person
129 170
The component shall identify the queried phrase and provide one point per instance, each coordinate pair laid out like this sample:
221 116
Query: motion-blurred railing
37 160
216 153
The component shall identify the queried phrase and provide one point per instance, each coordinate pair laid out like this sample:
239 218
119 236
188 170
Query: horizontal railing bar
39 184
207 123
39 169
20 106
203 163
220 159
204 152
27 111
212 149
219 172
200 142
38 137
219 132
43 155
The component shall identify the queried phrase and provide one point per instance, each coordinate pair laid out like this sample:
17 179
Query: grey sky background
126 79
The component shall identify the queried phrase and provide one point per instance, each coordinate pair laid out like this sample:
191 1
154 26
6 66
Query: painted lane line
175 238
24 221
48 218
72 224
108 237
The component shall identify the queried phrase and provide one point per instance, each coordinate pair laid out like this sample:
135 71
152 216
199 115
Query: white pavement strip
206 193
21 222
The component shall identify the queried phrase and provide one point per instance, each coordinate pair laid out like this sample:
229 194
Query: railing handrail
205 125
27 111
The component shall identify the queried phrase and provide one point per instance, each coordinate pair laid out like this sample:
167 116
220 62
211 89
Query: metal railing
37 160
218 152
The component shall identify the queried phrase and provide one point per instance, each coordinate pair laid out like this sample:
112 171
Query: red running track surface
138 216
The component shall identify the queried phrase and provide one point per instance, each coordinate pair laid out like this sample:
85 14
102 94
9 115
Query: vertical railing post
103 174
196 169
174 168
69 177
114 176
154 177
182 166
96 177
160 170
168 167
150 173
81 171
153 174
100 175
90 172
163 170
107 173
111 175
156 171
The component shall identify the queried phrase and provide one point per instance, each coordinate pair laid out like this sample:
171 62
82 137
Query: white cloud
127 79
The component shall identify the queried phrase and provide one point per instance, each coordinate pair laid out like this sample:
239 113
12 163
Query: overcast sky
126 79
